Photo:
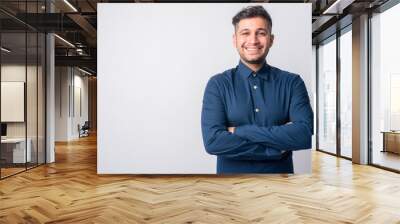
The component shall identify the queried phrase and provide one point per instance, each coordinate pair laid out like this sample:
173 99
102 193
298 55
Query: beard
257 61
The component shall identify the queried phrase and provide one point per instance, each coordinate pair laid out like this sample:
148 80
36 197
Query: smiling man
255 115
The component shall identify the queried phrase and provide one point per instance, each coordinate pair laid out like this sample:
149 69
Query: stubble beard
257 61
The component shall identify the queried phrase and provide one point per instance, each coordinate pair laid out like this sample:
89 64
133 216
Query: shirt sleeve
295 135
217 140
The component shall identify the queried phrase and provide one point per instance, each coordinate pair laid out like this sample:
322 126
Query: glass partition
385 89
33 56
41 87
32 95
22 63
346 93
13 110
327 96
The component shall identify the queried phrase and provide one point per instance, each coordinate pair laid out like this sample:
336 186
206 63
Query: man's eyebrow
247 29
263 29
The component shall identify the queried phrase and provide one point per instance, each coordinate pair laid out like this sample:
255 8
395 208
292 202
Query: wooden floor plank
70 191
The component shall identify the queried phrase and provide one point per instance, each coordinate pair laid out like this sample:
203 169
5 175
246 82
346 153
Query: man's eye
262 34
244 34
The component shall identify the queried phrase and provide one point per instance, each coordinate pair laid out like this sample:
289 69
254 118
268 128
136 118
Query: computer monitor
3 129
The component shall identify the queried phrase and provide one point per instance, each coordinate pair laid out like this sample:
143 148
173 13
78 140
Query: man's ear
234 40
272 40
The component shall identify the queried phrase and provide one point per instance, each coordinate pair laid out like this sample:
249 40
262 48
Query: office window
327 96
385 88
346 93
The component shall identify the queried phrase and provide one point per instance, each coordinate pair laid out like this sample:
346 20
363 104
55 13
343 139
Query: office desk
13 150
391 141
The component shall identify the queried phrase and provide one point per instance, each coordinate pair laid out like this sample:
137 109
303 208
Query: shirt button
255 87
257 110
254 74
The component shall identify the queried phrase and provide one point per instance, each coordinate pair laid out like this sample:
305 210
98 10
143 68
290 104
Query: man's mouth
252 49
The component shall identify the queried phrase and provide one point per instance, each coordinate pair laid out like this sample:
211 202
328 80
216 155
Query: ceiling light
5 50
64 40
338 6
70 5
84 71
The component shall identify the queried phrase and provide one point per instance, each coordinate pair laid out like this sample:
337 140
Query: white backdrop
154 61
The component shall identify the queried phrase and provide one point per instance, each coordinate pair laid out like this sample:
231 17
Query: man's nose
253 39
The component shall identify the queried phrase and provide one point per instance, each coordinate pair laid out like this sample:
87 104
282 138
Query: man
255 115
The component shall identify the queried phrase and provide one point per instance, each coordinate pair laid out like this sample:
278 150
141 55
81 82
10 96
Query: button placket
254 83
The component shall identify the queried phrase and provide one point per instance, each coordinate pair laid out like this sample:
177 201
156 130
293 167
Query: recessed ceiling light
70 5
64 40
337 7
84 71
5 50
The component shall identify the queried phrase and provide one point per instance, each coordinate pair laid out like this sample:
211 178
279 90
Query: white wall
154 61
80 94
61 103
68 81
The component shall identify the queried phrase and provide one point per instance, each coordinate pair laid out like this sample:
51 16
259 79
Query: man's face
253 39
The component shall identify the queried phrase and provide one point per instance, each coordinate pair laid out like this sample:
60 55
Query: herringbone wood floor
70 191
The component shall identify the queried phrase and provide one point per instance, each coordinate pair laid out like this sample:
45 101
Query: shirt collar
244 71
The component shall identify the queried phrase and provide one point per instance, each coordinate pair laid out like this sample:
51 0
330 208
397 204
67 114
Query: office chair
84 130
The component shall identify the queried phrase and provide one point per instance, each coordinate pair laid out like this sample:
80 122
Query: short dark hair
251 12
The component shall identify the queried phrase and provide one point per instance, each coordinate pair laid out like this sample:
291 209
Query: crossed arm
251 141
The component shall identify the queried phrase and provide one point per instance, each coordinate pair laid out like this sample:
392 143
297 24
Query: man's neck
254 67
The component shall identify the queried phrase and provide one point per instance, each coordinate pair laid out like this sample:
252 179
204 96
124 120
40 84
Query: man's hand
231 129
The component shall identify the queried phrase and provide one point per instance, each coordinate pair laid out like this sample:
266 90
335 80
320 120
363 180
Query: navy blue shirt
271 112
